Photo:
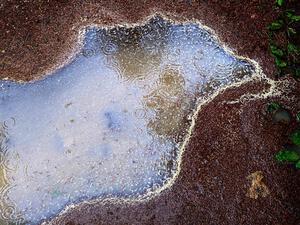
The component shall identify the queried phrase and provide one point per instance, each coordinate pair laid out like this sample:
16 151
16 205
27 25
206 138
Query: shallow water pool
110 123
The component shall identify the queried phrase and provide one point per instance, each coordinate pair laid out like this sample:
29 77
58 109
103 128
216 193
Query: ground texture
230 142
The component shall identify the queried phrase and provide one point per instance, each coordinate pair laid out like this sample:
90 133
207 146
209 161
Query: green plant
286 53
298 117
295 137
280 2
287 156
291 152
298 165
273 106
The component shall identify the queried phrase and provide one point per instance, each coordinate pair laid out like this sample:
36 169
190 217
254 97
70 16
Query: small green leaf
287 156
276 51
298 117
276 25
291 31
295 18
289 13
293 48
280 63
295 137
298 165
273 106
280 2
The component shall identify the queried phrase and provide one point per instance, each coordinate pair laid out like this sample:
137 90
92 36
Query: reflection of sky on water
108 123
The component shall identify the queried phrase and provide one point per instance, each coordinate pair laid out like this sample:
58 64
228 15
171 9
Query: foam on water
111 122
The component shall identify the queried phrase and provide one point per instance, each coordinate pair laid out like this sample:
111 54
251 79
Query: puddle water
111 122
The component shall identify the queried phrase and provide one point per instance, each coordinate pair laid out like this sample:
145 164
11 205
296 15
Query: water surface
111 122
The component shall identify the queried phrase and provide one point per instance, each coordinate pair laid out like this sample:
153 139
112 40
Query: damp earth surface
112 122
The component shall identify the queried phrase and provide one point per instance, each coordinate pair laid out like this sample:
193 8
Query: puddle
111 122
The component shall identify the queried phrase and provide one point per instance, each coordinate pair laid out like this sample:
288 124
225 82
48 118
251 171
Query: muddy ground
231 140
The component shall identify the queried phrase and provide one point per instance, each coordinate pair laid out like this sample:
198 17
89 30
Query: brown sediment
230 140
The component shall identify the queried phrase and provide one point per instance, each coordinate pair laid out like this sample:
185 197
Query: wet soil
231 140
37 35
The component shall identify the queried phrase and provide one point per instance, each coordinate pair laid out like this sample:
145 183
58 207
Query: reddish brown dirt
230 141
36 35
